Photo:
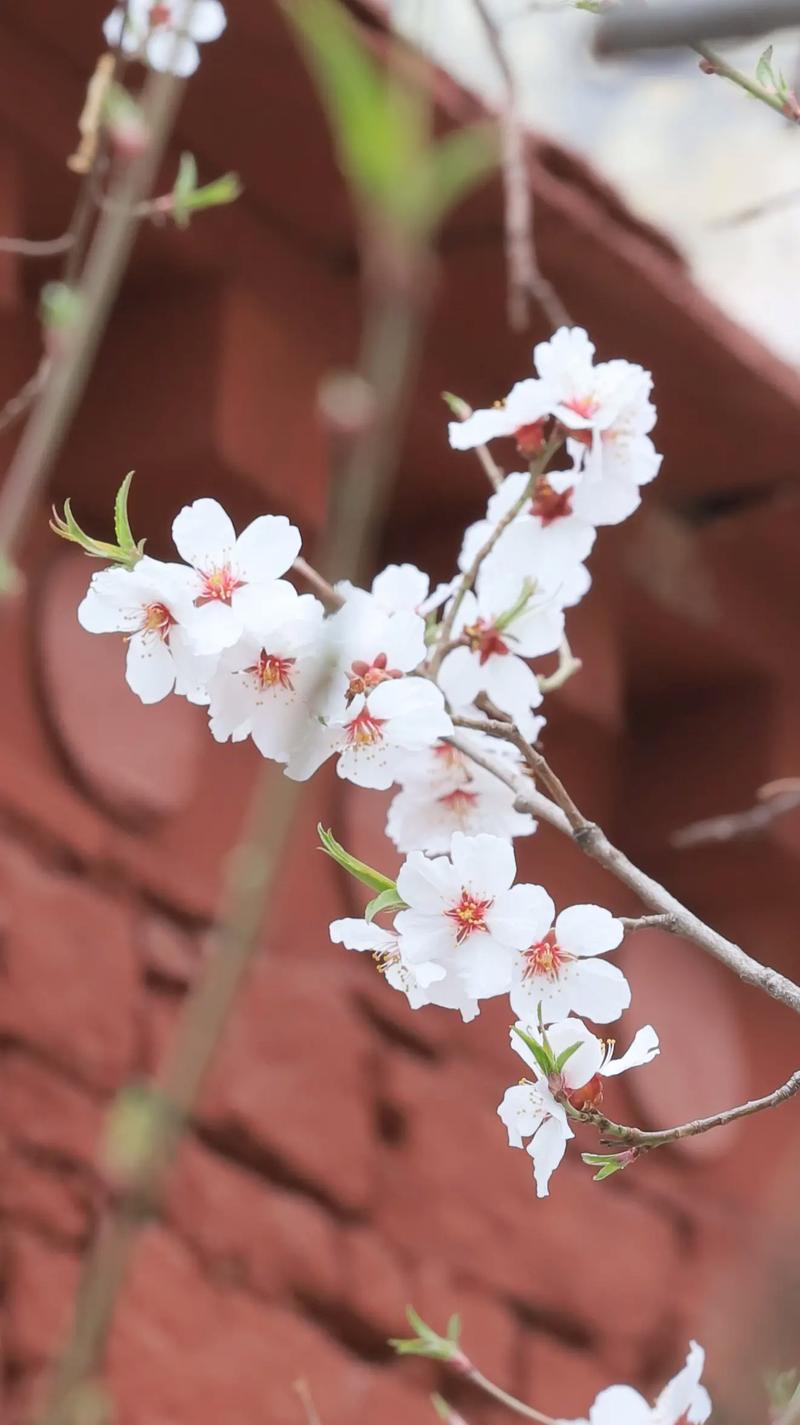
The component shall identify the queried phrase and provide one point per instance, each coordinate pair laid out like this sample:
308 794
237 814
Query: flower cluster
164 34
382 679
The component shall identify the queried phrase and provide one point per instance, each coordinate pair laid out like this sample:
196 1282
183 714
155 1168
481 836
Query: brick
489 1328
454 1190
54 1202
293 1079
558 1379
70 977
276 1242
41 1284
375 1283
44 1113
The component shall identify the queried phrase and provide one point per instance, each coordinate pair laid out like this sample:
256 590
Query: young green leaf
387 900
565 1056
764 72
539 1052
362 872
607 1163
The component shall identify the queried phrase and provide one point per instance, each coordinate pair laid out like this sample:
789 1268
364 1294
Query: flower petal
204 535
484 864
480 427
644 1047
149 669
266 548
171 53
547 1148
620 1405
206 21
521 916
588 930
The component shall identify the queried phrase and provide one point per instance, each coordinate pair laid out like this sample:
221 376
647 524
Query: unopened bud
588 1095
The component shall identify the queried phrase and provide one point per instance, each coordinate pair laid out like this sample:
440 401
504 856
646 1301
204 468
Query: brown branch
568 666
105 264
644 1142
17 405
648 922
38 247
324 591
525 277
593 841
777 799
462 410
685 22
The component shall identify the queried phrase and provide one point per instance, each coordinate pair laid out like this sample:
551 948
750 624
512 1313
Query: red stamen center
545 957
469 915
271 671
159 15
366 676
550 504
485 640
585 406
460 802
157 619
219 585
449 756
364 730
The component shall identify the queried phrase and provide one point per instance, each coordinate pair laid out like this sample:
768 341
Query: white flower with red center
423 983
369 647
498 626
606 412
546 540
683 1399
465 914
423 816
559 972
151 605
263 685
232 577
534 1109
165 33
401 588
371 734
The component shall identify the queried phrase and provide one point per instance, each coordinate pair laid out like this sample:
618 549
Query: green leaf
66 527
764 72
459 408
540 1054
454 1328
122 528
362 872
608 1164
565 1055
459 162
188 198
440 1406
526 593
387 900
426 1342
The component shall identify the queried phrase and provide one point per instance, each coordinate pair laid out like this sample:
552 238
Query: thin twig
467 580
593 841
757 210
568 666
17 405
644 1141
38 247
649 922
519 1407
772 805
69 372
525 277
325 591
307 1400
462 410
720 66
686 22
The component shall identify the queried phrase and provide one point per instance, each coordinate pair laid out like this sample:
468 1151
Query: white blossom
547 541
503 622
232 578
559 972
464 912
422 983
683 1399
401 587
152 605
263 685
531 1109
165 33
370 736
369 646
424 815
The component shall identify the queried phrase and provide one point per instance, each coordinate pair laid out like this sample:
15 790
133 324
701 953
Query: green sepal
427 1342
362 872
387 900
126 551
543 1058
608 1164
188 198
565 1055
519 606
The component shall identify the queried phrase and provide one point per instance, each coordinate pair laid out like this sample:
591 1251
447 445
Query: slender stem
38 247
497 1393
593 841
462 410
568 666
735 76
645 1141
326 592
648 922
538 466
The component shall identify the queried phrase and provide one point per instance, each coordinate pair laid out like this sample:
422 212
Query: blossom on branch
152 604
164 34
422 983
436 801
559 972
547 540
683 1399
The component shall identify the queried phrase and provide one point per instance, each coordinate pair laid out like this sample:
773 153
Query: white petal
620 1405
526 403
588 930
172 54
511 684
484 864
521 916
644 1047
401 586
414 710
266 548
684 1395
461 677
606 501
547 1149
204 535
213 627
405 641
317 745
484 966
206 21
149 670
521 1111
586 1061
596 990
360 935
427 884
479 428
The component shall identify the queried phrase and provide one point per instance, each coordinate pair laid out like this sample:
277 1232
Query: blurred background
346 1159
